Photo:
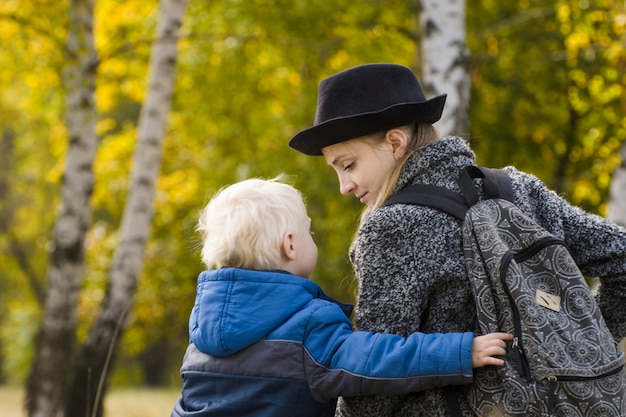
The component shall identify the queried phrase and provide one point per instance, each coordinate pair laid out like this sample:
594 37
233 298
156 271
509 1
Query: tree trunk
617 199
97 355
56 336
445 61
7 143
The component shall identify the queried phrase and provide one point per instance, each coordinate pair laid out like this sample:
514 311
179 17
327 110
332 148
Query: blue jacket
269 343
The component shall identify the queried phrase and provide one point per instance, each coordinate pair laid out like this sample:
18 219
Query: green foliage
548 94
31 148
548 91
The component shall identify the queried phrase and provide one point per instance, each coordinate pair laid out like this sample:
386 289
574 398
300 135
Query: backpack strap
452 394
432 196
496 184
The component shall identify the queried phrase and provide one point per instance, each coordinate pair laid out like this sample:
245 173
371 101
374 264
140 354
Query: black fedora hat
363 100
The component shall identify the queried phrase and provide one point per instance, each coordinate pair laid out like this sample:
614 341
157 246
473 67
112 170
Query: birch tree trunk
445 61
617 194
97 355
56 337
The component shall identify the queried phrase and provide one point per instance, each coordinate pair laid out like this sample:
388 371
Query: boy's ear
398 141
287 249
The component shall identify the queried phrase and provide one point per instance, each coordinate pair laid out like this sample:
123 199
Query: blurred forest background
547 95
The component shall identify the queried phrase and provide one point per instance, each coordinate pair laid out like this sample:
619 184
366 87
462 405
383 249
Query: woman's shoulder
405 222
393 216
528 187
522 177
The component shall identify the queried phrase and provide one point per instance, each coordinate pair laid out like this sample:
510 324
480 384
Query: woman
373 125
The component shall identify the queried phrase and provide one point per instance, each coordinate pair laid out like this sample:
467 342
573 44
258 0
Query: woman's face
362 165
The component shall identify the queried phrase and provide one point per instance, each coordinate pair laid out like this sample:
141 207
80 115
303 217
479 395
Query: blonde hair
420 135
244 223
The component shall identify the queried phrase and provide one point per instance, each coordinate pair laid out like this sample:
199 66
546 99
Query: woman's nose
346 186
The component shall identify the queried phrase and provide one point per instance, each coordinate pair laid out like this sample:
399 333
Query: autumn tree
445 61
617 202
56 338
47 385
546 96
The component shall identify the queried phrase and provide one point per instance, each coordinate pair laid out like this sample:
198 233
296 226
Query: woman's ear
398 141
287 248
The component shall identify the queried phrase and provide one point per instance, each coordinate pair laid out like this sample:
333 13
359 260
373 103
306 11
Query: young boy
266 341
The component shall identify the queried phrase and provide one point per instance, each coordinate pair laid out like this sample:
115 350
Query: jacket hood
235 307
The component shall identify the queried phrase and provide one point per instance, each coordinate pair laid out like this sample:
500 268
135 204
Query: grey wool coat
411 277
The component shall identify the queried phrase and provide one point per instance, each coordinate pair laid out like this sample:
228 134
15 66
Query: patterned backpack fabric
563 360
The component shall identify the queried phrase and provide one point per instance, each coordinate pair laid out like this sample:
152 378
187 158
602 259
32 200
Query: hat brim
311 141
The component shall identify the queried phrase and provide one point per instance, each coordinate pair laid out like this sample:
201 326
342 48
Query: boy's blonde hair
244 223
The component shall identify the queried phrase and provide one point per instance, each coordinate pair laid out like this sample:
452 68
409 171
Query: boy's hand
484 348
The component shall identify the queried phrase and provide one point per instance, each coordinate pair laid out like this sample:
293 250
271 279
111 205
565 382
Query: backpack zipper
572 378
518 351
530 251
517 345
553 381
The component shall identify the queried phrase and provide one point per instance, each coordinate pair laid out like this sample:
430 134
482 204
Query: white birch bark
153 122
56 338
445 61
617 193
95 358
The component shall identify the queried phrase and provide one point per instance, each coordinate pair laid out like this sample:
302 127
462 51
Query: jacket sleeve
597 245
342 362
599 249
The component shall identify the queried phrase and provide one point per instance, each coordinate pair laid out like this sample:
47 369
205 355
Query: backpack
563 360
